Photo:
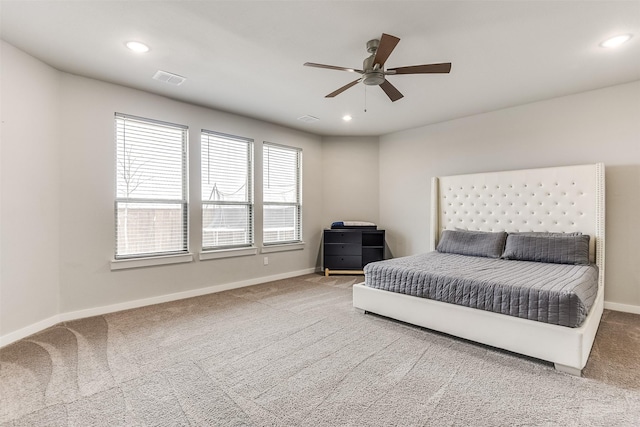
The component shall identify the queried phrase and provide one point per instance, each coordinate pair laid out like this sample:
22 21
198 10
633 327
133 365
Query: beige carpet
295 353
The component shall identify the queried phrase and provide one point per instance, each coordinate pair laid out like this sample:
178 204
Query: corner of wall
30 190
350 178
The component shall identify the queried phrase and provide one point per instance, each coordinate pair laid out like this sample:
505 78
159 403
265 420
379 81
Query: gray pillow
546 233
557 248
472 243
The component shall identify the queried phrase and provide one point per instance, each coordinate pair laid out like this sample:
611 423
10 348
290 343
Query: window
227 191
282 195
151 190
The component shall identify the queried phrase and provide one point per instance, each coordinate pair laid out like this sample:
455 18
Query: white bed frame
560 199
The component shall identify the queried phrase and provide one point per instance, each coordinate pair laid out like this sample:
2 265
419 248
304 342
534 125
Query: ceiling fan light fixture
616 40
137 47
373 78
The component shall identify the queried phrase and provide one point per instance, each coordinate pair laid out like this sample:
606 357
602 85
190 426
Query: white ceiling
246 57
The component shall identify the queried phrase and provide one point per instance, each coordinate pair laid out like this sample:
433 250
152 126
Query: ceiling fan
373 72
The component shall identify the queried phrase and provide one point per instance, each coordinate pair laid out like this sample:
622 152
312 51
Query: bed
567 200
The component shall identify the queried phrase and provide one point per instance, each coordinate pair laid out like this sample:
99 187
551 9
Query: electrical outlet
266 260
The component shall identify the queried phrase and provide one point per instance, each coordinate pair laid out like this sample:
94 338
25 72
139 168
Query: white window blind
227 190
282 204
151 190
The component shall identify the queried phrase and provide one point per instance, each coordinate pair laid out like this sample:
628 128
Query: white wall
88 188
596 126
351 179
30 191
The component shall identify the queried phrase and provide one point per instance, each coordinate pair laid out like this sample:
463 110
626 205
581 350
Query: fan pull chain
365 98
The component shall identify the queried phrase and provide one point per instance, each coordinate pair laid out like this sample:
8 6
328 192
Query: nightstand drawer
333 236
342 249
343 262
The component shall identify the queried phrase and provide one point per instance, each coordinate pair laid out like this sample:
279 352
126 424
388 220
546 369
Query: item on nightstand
353 224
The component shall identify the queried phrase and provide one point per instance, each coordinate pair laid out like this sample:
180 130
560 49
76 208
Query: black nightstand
347 251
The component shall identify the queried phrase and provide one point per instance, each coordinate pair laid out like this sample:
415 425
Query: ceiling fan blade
342 89
332 67
391 91
386 46
445 67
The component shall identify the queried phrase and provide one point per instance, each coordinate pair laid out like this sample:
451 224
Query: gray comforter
559 294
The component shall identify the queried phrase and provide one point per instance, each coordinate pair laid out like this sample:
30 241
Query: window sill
122 264
282 248
228 253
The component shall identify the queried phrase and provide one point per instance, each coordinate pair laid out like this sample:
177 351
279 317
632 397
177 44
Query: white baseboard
626 308
29 330
97 311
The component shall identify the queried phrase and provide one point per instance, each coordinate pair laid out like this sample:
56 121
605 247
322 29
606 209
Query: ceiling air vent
172 79
308 119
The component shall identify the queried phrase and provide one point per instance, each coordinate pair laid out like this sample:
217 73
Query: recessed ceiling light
137 47
616 41
347 118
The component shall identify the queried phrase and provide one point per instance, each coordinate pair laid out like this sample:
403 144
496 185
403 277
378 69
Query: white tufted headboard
560 199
